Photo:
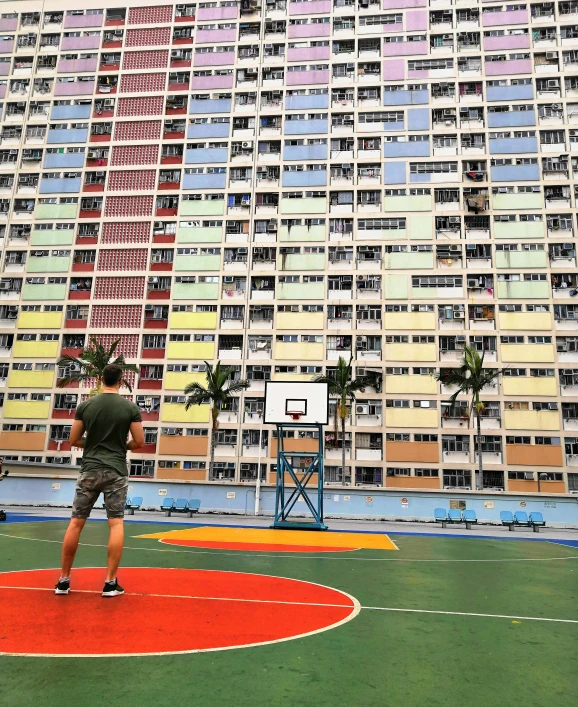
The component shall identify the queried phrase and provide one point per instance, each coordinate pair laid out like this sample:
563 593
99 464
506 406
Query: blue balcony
63 137
406 149
510 93
405 98
59 186
214 105
70 112
305 127
515 172
211 155
305 179
418 119
394 172
208 130
513 146
305 152
63 160
306 102
204 181
511 119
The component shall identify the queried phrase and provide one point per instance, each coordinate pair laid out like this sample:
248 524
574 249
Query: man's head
112 376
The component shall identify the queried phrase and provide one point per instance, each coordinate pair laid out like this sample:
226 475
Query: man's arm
137 434
76 432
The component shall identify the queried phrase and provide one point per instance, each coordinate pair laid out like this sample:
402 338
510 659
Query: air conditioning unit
153 280
247 145
360 278
454 219
272 227
245 467
551 55
362 409
228 279
473 283
552 83
149 307
459 315
92 156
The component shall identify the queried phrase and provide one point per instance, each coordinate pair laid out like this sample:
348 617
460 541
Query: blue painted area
213 105
208 130
405 98
391 127
509 93
511 119
305 127
69 112
420 178
63 160
304 179
28 518
59 186
418 119
302 153
63 137
406 149
213 155
204 181
394 172
513 145
515 172
306 102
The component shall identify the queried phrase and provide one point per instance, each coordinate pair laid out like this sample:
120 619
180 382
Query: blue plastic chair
537 521
507 518
455 516
193 506
470 518
133 505
521 518
440 515
180 505
168 505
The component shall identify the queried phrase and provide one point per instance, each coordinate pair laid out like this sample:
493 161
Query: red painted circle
163 611
253 547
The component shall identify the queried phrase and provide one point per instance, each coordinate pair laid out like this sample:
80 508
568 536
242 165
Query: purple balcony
308 53
391 28
70 66
313 7
6 46
514 66
416 20
80 43
405 48
2 90
505 19
400 4
8 24
217 13
305 31
394 70
74 88
512 41
210 82
295 78
214 59
83 21
210 36
4 68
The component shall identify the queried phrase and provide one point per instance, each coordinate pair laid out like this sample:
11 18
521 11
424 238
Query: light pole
258 484
541 477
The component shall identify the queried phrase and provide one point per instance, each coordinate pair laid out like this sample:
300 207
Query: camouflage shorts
89 487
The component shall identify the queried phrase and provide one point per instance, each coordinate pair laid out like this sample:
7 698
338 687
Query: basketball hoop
294 414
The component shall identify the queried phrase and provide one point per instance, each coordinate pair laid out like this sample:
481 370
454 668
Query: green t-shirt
107 419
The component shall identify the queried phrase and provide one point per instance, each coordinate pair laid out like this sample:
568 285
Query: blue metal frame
285 499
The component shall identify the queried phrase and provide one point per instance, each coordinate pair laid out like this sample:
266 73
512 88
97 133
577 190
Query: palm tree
342 385
218 392
91 363
470 378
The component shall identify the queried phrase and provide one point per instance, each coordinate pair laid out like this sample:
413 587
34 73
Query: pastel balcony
35 349
199 234
60 186
303 261
204 207
512 41
508 93
313 7
521 259
213 105
309 234
204 181
512 66
295 78
27 409
83 21
305 127
523 289
214 59
195 290
208 130
309 205
528 353
48 265
515 172
411 384
186 350
409 261
310 30
406 149
512 119
301 291
66 160
197 263
211 36
73 66
527 385
306 102
525 321
412 417
297 351
513 146
504 19
79 43
81 112
40 320
405 98
531 420
55 211
63 137
6 46
405 48
302 153
308 54
211 155
210 82
408 203
204 14
74 88
178 380
516 202
518 229
309 178
300 320
44 292
8 24
175 412
192 320
395 4
31 379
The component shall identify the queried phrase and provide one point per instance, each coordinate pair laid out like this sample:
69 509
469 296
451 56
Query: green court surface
484 647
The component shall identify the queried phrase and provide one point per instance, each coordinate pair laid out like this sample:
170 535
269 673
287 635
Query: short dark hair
111 374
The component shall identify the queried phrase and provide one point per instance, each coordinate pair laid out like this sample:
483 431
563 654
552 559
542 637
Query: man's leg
115 545
115 492
70 544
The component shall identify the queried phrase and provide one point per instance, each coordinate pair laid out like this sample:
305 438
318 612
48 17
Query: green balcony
49 264
523 290
196 290
301 290
517 202
43 292
204 207
302 234
524 259
519 229
197 263
409 261
55 211
302 261
199 234
52 237
403 204
304 206
396 286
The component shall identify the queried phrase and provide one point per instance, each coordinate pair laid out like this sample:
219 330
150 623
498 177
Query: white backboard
311 399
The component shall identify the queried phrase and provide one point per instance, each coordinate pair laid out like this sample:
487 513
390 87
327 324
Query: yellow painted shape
175 412
411 417
527 321
38 349
30 379
526 385
187 350
27 409
411 384
178 380
266 536
40 320
193 320
300 320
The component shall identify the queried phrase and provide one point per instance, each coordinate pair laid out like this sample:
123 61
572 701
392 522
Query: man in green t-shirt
107 419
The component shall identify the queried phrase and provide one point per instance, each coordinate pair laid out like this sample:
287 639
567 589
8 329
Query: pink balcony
4 68
416 20
83 21
512 41
209 82
74 88
214 59
313 7
392 28
305 31
400 4
8 24
217 13
79 43
505 19
405 49
514 66
6 46
211 36
308 53
394 70
70 66
295 78
2 90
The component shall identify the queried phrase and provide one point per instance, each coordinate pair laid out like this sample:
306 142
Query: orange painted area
529 486
413 482
534 454
253 547
181 474
427 452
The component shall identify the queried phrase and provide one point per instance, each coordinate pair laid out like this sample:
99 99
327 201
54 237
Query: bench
535 520
168 505
455 516
133 505
193 506
180 505
507 518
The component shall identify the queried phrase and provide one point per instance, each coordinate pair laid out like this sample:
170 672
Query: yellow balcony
528 353
527 385
175 412
40 320
30 379
296 351
411 384
176 380
193 320
402 321
411 417
35 349
410 352
531 420
300 320
187 350
525 321
292 377
27 409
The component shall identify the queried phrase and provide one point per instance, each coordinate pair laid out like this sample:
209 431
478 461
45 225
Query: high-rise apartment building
277 184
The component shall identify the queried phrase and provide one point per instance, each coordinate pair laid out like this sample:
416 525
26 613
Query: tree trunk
214 429
342 447
479 446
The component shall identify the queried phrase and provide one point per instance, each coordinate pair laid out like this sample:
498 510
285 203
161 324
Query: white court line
294 556
321 605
